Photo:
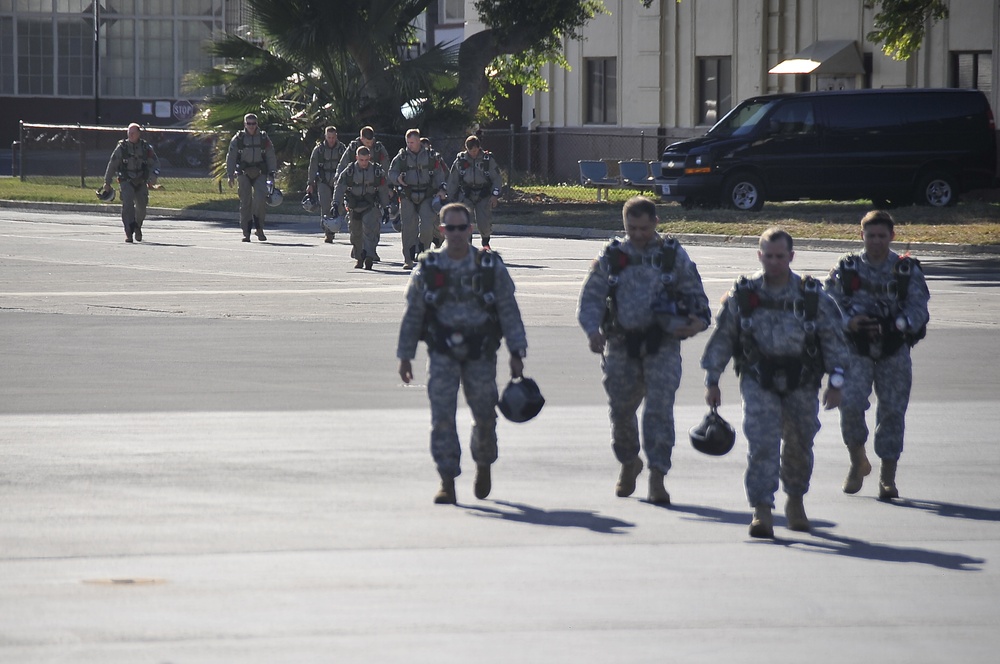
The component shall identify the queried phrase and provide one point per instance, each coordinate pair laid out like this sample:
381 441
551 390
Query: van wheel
743 191
937 189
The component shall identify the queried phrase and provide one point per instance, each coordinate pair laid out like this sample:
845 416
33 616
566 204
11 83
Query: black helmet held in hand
521 400
713 436
310 203
107 195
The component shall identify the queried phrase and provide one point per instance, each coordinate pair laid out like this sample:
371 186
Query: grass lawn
975 221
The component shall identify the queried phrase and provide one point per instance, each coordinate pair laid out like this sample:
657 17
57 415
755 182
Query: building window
76 58
451 11
972 71
715 89
35 57
6 55
602 90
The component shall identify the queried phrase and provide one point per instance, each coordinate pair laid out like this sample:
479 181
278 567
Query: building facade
56 68
678 67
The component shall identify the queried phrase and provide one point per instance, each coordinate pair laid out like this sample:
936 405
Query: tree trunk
474 55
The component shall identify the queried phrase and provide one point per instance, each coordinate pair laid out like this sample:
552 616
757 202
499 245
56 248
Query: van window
873 114
741 120
794 117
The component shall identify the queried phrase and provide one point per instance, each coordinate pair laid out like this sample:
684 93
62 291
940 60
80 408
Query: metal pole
510 177
642 145
20 151
97 62
83 157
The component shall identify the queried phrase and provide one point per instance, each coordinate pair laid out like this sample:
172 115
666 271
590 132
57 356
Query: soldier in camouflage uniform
438 199
642 297
783 333
137 168
416 173
323 171
251 159
475 180
362 189
461 302
884 300
366 138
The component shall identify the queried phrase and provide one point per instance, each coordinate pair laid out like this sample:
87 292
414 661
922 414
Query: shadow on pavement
985 270
562 518
951 509
713 515
855 548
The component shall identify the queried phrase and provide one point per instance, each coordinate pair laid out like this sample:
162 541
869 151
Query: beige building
674 68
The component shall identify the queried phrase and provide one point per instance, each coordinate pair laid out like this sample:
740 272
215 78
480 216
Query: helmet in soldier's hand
521 400
106 196
713 436
310 203
275 197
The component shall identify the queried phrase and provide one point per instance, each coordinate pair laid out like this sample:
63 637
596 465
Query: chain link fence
69 154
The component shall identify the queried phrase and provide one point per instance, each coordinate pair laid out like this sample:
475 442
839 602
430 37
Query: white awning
836 57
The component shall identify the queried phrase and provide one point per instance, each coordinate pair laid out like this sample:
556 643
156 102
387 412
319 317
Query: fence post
83 157
642 145
20 152
513 155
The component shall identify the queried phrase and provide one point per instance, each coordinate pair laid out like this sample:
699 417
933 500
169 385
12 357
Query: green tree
304 64
900 25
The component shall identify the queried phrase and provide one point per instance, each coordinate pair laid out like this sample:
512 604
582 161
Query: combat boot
626 479
657 493
483 482
369 262
138 233
887 480
762 524
860 469
795 514
446 494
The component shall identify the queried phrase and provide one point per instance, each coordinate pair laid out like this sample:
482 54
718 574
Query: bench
636 174
594 175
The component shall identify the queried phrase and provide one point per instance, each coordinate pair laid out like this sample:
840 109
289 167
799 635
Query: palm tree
309 63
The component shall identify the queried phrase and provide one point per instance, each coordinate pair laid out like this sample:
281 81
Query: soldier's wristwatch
837 378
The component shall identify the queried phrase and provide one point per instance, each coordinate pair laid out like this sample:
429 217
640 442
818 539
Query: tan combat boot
887 480
762 524
626 479
795 514
657 493
446 494
860 469
483 483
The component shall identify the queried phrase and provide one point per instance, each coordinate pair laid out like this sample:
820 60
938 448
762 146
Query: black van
894 147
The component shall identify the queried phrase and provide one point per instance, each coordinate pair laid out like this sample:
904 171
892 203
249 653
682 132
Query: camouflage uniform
252 159
135 165
380 156
473 181
423 177
779 331
323 168
861 288
463 333
642 358
365 193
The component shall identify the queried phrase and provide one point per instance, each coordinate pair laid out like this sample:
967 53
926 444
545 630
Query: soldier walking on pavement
362 189
251 159
642 296
414 170
323 171
884 300
783 332
461 302
366 138
475 180
137 168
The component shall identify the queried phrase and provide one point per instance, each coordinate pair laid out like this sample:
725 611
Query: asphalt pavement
206 455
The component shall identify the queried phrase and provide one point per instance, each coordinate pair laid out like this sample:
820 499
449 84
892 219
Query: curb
567 233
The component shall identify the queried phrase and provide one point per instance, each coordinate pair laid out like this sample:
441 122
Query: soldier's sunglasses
456 227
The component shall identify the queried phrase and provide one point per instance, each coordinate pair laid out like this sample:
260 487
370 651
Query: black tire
936 189
743 191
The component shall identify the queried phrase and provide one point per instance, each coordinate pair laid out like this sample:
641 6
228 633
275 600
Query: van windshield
742 119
